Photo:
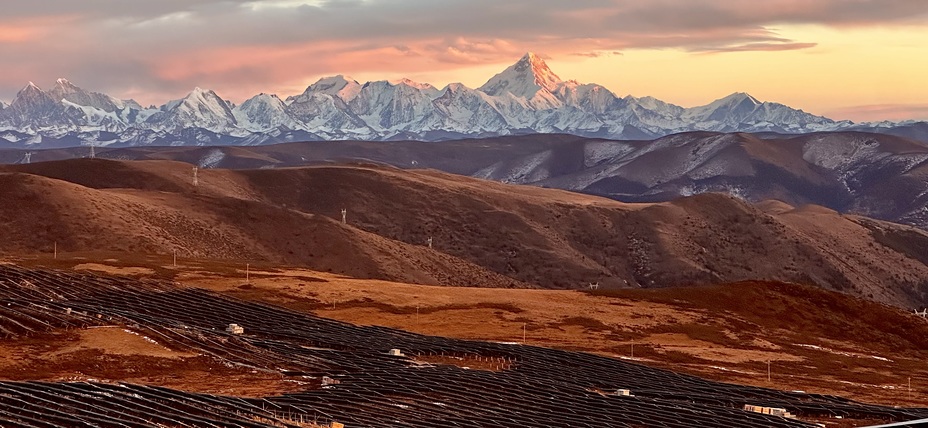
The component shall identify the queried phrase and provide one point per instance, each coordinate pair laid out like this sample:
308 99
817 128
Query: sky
862 60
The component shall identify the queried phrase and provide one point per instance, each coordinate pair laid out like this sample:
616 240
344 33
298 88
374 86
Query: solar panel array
351 378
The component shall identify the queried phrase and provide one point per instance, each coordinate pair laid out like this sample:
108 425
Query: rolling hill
484 233
875 175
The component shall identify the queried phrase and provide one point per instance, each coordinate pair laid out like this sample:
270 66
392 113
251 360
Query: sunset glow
861 60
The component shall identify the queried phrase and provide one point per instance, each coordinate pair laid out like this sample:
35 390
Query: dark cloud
166 46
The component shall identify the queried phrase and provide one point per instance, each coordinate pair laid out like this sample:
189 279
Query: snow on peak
64 90
738 104
64 87
200 108
31 87
740 97
455 87
30 93
526 96
425 88
412 83
340 86
263 112
523 79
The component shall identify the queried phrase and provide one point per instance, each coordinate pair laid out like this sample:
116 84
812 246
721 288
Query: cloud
596 54
168 46
755 47
880 112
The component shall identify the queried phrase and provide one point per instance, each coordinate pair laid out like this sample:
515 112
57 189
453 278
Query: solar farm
358 376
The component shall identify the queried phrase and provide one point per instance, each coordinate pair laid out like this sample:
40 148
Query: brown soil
119 354
484 233
815 340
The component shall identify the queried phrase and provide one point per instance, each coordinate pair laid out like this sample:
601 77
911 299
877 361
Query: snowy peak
63 85
201 108
742 112
262 102
32 97
31 89
339 86
523 79
738 105
64 90
425 88
263 112
525 97
204 98
738 100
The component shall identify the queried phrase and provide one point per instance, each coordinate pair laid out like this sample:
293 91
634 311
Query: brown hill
43 212
484 233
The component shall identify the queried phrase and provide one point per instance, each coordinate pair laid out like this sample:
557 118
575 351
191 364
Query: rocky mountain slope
483 233
527 97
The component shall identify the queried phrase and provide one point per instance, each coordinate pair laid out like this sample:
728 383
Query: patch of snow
598 151
212 158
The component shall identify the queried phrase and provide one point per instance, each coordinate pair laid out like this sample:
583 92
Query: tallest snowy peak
523 79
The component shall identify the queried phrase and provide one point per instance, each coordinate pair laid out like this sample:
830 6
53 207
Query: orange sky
859 60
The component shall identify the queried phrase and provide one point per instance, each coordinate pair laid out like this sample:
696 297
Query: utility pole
247 274
430 242
523 332
196 181
56 250
768 370
175 257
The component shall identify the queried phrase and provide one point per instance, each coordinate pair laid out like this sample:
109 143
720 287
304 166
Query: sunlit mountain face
527 97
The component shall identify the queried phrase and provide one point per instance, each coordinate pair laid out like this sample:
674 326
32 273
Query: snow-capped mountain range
527 97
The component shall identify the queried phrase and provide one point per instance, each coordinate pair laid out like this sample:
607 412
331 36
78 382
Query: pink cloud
880 112
159 49
32 29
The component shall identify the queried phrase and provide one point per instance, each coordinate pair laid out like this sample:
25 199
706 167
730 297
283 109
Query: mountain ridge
527 97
